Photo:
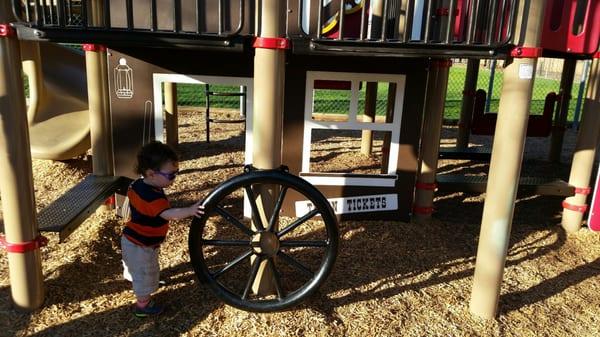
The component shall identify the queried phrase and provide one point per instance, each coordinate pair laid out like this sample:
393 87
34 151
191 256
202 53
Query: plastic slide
58 117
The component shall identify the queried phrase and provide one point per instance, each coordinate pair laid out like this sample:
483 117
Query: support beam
366 143
16 180
560 121
96 64
171 114
585 151
437 83
466 111
269 82
505 167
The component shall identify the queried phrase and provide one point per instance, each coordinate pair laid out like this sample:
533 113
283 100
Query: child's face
163 177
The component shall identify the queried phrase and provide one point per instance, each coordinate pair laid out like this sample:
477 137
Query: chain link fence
490 78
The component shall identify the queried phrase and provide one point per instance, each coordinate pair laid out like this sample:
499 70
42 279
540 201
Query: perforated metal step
529 185
66 213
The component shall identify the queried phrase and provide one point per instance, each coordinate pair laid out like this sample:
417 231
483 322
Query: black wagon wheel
230 252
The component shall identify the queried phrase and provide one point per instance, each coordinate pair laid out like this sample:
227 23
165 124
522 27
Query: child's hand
196 209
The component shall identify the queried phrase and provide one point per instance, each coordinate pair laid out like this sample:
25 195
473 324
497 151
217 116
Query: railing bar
473 9
27 12
177 16
384 17
51 11
451 19
84 13
428 21
363 13
61 13
129 12
319 19
241 24
408 21
341 23
491 21
43 12
106 14
501 23
70 12
509 29
220 17
153 16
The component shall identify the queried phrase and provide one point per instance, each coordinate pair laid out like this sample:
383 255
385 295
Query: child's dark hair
153 155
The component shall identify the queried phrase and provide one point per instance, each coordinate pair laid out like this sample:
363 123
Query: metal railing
68 19
408 26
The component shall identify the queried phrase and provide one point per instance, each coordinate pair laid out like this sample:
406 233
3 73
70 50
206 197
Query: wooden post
16 182
466 111
585 150
366 144
437 84
269 82
560 123
505 166
96 65
171 114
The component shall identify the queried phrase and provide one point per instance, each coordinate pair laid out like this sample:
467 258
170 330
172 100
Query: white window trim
352 124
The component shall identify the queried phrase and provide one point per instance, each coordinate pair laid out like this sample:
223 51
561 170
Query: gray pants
140 266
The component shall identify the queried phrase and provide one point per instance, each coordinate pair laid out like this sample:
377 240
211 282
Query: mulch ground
391 278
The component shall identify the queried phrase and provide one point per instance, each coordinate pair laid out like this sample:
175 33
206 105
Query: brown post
505 166
437 83
560 123
171 114
366 144
99 102
269 81
466 111
585 151
16 183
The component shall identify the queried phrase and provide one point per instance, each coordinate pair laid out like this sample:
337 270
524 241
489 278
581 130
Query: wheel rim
228 254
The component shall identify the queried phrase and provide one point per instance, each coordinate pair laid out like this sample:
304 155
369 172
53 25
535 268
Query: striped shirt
146 203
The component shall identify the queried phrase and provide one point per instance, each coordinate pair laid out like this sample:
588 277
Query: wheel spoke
276 280
277 208
295 264
253 273
255 214
297 223
227 243
227 216
232 264
302 243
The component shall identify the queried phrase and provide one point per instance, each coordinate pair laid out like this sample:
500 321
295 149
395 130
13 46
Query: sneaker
149 310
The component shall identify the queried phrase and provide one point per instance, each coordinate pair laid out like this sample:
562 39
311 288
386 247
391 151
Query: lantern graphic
123 80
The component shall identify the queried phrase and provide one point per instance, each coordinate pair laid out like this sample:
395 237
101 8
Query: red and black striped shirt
146 203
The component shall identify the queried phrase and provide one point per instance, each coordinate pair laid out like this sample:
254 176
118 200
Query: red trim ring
441 63
583 190
575 208
426 186
93 47
526 52
422 210
272 43
110 201
596 55
23 247
6 30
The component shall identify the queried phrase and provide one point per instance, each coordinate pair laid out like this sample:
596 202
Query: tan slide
59 125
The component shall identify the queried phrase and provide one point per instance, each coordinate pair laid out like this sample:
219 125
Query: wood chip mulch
391 278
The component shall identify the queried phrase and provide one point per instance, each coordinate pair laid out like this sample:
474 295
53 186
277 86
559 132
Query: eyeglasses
169 176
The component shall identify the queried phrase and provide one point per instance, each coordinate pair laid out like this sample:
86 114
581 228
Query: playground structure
280 106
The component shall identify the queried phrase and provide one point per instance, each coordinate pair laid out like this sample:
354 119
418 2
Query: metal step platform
66 213
470 153
528 185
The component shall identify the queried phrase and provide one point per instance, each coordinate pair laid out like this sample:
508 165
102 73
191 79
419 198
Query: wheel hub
266 243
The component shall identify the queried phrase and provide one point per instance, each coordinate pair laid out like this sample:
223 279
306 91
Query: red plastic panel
572 26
